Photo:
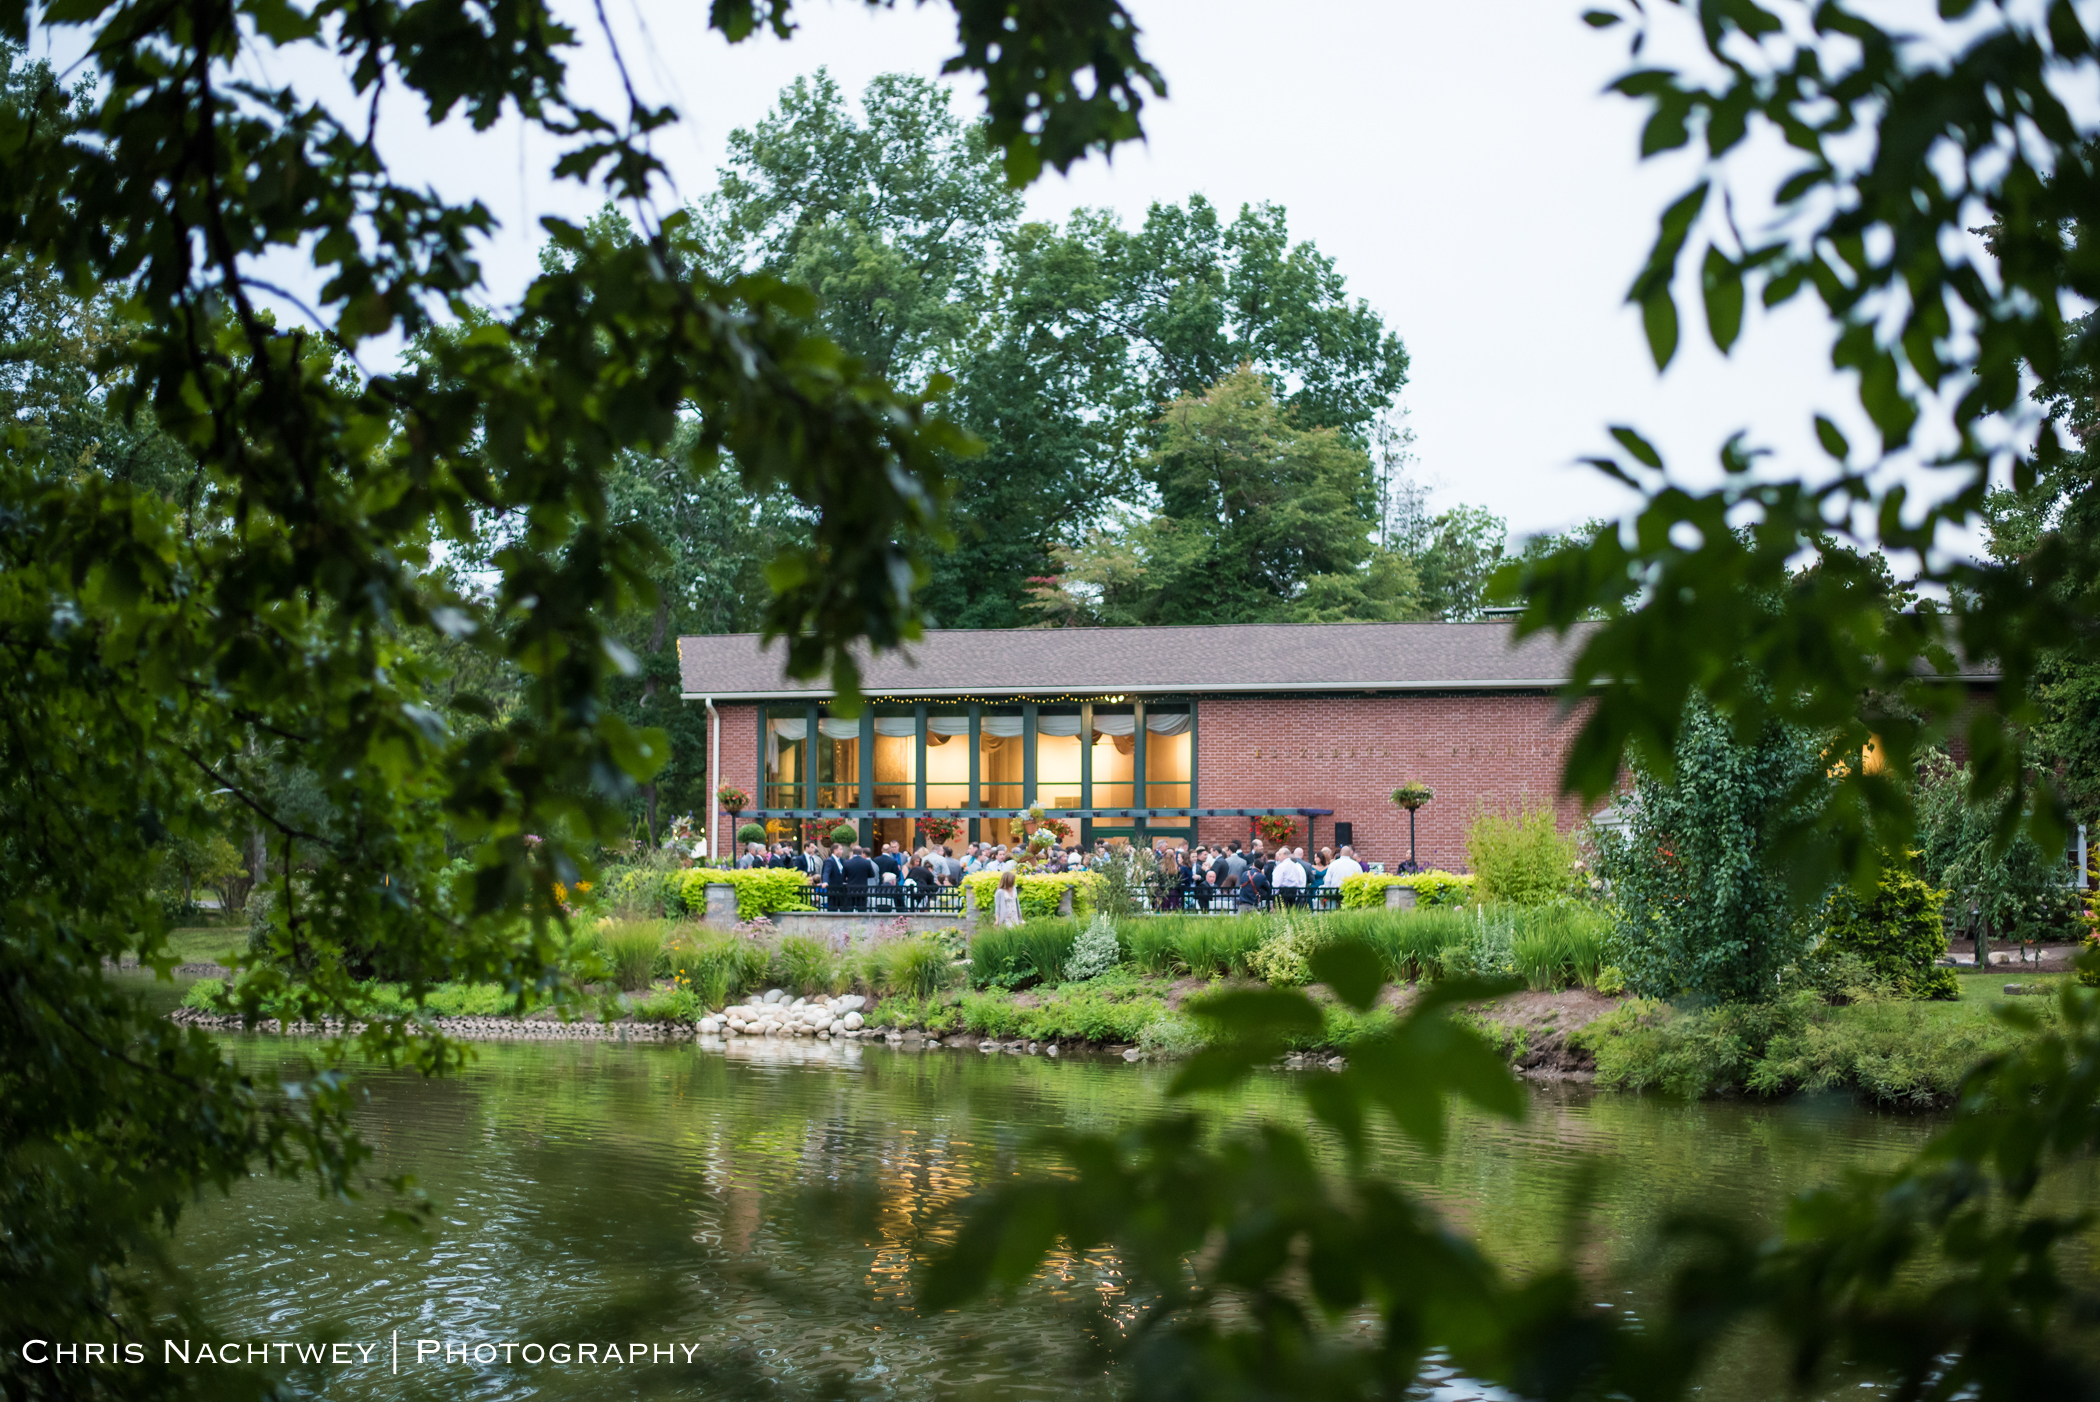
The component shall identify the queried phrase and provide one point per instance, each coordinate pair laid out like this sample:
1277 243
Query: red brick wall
1349 754
739 761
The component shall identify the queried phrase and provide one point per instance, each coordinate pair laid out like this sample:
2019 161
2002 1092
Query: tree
1261 520
296 596
1705 909
890 219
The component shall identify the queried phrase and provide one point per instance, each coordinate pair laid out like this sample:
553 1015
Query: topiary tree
1897 931
750 833
845 834
1705 911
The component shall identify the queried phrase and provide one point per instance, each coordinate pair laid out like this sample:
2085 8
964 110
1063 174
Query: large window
999 758
787 758
948 759
1169 756
1130 755
1057 757
838 763
1113 754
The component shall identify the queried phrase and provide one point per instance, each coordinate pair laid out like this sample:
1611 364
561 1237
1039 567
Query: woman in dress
1006 902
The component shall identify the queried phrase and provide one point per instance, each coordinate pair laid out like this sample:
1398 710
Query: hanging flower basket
1276 827
939 830
1412 795
733 801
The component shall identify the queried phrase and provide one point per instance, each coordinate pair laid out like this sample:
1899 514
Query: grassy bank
1012 984
1892 1052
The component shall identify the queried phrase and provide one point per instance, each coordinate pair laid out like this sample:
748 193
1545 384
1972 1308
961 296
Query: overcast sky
1460 161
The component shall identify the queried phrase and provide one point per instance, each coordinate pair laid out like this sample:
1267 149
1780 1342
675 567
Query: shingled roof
1247 657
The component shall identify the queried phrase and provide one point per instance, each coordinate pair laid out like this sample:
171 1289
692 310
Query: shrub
648 892
845 833
717 966
807 965
1095 952
917 968
1094 1012
1280 959
1703 909
465 1000
668 1005
1897 932
750 833
1489 947
207 995
1520 859
1036 950
759 891
630 953
1431 888
1040 895
1896 1053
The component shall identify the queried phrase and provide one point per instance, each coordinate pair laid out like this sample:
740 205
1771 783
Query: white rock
853 1002
799 1002
774 995
1132 1055
707 1027
1050 1051
854 1022
837 1025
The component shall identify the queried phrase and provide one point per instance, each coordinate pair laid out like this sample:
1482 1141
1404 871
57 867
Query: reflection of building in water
1174 735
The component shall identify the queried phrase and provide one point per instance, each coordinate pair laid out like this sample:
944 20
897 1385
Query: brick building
1143 734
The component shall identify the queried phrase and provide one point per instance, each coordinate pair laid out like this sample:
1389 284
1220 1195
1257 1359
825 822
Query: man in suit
859 875
831 875
889 863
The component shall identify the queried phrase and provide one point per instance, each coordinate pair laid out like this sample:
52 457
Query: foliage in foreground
1340 1281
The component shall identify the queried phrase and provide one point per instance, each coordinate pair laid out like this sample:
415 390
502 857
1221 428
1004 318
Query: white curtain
1168 724
1005 727
789 729
896 725
1114 725
948 725
1057 725
838 729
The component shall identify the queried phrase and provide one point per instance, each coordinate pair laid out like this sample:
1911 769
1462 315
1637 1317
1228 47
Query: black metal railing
1211 900
888 900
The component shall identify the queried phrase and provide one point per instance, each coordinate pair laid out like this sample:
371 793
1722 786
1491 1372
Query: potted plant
1411 796
939 830
1276 828
733 800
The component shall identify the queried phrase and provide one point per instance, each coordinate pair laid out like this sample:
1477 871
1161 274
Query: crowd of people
889 876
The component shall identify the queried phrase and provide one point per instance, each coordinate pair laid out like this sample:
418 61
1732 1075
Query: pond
747 1220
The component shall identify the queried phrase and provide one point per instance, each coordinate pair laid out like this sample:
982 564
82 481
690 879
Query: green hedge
1039 894
759 891
1431 888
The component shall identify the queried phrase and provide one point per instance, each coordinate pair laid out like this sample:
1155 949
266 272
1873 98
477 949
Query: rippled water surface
759 1210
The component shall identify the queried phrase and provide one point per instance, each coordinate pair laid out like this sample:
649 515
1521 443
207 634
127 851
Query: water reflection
758 1210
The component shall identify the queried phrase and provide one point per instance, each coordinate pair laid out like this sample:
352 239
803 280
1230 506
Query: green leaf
1351 969
1833 441
1599 19
1722 282
1640 447
1659 323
